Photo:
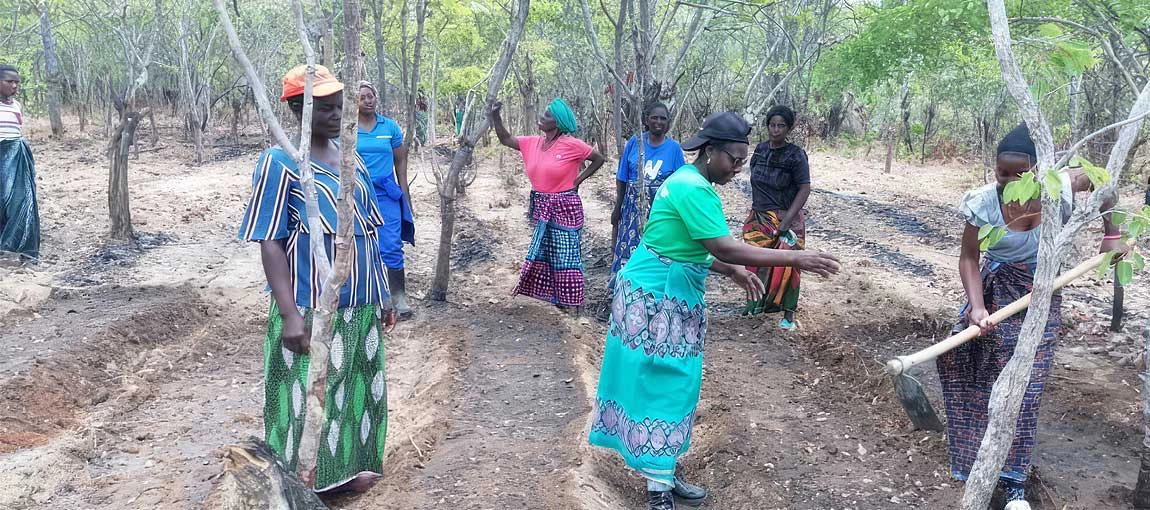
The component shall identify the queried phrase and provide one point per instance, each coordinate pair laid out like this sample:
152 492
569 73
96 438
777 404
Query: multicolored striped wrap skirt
782 283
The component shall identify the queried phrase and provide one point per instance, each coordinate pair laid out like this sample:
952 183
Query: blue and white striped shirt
277 210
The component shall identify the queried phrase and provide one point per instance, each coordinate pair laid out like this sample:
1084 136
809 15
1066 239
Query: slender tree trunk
52 71
888 132
1142 490
119 210
413 89
617 89
404 66
380 57
447 187
189 95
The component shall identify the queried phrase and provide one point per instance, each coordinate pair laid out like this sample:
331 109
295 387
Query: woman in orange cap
351 439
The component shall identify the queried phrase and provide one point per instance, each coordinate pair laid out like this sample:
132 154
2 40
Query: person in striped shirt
352 437
19 215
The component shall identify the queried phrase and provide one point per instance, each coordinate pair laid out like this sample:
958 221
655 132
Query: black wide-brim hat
720 127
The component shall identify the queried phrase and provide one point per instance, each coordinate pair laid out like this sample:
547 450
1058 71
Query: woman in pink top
553 271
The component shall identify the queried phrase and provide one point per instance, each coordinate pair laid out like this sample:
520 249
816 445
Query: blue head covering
564 117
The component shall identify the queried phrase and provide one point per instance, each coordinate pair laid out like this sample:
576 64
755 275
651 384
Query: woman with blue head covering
553 271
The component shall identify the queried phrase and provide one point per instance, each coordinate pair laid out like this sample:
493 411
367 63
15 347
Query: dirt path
127 369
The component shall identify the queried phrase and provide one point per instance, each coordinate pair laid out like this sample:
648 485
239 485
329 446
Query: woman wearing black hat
1005 274
653 359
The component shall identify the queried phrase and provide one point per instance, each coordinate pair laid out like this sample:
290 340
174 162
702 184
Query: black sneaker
692 495
660 500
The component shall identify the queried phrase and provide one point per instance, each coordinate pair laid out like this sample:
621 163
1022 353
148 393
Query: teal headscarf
564 117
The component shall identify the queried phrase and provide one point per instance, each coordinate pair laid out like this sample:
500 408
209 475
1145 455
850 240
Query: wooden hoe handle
903 363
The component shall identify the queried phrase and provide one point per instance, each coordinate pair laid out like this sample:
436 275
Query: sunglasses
736 162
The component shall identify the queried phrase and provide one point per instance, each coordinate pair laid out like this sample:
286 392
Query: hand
616 214
822 264
295 334
389 320
981 318
750 283
1115 245
784 226
495 109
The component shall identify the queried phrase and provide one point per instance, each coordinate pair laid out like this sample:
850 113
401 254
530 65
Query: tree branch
593 38
1074 148
257 86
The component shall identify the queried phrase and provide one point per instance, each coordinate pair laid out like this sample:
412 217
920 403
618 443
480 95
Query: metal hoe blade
916 404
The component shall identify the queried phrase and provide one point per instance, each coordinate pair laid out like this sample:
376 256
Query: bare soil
126 368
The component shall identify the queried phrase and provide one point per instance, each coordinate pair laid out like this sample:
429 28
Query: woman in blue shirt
661 157
381 147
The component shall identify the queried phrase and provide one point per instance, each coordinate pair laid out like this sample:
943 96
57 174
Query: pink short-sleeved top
553 170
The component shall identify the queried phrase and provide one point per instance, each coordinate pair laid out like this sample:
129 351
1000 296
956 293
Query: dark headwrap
564 117
1018 141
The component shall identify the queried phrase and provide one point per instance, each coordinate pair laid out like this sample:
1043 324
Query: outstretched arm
745 279
505 137
728 250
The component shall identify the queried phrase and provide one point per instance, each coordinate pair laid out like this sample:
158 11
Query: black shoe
660 500
692 495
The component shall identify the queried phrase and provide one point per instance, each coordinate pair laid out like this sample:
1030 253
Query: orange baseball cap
324 84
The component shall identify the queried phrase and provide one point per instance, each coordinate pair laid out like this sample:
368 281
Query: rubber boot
689 493
398 286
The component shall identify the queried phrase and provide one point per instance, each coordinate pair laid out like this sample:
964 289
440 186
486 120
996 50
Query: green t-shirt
686 210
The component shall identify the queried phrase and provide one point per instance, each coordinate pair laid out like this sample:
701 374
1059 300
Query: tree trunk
1142 490
617 88
413 89
380 58
447 189
905 104
52 72
188 93
119 212
888 131
403 62
527 89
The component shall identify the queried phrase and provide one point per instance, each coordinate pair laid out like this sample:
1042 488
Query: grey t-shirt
981 206
776 175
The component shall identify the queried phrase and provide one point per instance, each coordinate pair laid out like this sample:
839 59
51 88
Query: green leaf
1050 30
1105 265
1117 217
984 231
1023 190
1098 175
1053 184
1124 272
1135 229
1137 260
992 237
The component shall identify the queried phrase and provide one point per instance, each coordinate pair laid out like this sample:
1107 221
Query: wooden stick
901 364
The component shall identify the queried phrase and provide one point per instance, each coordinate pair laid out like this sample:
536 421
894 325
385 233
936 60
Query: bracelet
1114 236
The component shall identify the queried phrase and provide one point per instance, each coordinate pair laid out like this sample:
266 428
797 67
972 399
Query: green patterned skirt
355 422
